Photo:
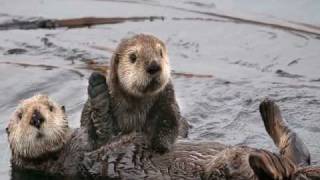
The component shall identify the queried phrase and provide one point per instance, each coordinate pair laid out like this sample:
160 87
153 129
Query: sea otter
129 157
40 138
142 98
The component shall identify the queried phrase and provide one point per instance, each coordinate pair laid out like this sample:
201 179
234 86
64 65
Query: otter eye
133 57
161 53
20 115
51 108
63 108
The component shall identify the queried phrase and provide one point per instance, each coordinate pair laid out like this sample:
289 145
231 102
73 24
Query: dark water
248 62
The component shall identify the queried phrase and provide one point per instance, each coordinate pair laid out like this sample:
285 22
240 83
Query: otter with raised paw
142 97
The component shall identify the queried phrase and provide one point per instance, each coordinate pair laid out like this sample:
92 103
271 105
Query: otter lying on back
38 127
40 138
142 97
127 157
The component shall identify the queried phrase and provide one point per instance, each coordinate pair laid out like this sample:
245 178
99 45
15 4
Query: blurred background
226 56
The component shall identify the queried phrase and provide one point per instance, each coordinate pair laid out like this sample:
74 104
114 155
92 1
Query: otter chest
131 117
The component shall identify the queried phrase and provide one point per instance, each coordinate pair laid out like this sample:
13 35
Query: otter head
140 66
37 127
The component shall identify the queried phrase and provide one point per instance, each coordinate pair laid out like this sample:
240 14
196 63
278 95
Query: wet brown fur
53 147
139 102
26 140
203 160
129 157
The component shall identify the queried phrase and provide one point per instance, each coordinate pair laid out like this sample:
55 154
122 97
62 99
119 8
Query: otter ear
63 108
116 58
267 165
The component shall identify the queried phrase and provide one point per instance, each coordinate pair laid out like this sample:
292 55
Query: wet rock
199 4
282 73
47 42
294 62
315 80
15 51
72 23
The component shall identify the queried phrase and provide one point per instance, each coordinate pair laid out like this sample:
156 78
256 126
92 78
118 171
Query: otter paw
97 85
160 147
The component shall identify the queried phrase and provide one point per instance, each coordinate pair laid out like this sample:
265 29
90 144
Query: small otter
37 127
142 97
40 138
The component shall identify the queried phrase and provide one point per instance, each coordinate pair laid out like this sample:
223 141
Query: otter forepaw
160 147
97 85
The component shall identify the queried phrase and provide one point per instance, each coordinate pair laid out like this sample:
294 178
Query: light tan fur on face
27 141
133 77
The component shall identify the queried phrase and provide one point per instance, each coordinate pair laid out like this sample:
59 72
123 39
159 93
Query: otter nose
36 119
153 68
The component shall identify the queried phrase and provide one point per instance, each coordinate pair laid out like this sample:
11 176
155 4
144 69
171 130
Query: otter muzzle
153 68
36 119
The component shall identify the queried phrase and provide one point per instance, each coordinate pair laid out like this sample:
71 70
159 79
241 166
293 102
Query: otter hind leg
288 142
269 166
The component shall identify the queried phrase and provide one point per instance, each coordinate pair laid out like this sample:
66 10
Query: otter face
142 65
37 127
